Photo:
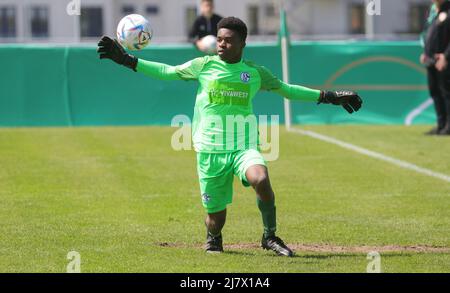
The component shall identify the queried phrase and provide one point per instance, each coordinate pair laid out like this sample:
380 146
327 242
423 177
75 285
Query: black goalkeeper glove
111 49
351 101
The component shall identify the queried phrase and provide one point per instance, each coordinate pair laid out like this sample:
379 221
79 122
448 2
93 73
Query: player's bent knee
260 180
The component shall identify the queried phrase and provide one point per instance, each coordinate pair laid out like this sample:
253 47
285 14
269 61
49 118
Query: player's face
229 45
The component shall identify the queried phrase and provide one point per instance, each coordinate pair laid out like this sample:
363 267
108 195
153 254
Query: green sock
268 212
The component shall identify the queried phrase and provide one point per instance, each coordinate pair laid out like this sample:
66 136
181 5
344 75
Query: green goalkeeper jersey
223 115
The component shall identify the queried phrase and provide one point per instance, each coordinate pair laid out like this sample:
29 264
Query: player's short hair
210 1
234 24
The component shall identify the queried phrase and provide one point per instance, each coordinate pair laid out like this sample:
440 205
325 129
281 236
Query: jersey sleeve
268 80
191 69
297 92
157 70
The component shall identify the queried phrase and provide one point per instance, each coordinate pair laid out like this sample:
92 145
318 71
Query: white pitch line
417 111
373 154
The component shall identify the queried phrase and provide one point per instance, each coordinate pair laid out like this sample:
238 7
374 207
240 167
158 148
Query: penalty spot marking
372 154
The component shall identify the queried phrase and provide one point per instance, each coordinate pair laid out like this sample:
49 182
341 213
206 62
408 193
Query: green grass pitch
127 202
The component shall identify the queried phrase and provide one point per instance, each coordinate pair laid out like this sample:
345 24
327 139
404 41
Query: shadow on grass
239 252
332 255
296 256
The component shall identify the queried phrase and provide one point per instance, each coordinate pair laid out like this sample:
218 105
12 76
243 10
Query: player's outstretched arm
111 49
349 100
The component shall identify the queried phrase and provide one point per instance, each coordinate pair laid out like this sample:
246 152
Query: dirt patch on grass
325 247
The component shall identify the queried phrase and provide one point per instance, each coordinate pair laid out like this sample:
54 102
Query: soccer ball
209 43
134 32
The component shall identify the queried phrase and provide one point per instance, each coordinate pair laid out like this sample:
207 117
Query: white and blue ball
134 32
209 44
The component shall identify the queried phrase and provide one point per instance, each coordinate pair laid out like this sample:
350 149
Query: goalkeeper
227 86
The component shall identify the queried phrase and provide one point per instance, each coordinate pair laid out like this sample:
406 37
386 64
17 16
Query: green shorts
216 172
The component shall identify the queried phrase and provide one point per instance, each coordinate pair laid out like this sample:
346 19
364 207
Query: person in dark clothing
435 58
205 24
